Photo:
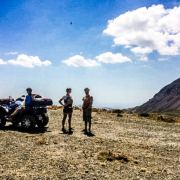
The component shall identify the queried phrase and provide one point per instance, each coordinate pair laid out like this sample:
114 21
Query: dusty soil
127 147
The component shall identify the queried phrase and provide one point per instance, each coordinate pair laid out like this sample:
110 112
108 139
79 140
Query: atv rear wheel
2 121
28 122
44 121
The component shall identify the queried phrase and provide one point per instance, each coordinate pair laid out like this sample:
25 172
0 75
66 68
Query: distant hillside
167 99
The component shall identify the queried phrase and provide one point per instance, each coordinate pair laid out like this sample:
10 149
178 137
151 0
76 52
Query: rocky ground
127 147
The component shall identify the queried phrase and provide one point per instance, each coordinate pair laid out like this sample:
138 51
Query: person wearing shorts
87 109
68 110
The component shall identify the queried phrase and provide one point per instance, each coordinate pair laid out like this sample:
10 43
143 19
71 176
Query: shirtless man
87 109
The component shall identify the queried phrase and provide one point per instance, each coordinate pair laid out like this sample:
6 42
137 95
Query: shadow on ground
37 130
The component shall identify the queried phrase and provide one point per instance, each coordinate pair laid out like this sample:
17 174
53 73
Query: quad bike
29 117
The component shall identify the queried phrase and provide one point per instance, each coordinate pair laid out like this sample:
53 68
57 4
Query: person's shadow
89 134
18 128
68 132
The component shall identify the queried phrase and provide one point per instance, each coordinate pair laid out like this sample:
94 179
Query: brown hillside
167 99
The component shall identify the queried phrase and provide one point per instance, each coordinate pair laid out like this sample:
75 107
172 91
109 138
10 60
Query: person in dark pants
68 110
87 109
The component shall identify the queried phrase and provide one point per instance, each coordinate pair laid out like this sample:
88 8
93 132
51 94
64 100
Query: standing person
87 109
27 102
68 101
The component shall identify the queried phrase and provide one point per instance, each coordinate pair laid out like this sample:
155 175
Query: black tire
44 121
28 122
2 121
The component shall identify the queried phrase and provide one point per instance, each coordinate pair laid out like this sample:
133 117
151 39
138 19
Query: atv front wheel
2 121
44 121
28 122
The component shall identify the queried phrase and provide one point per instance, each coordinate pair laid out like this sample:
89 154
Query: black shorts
68 110
87 115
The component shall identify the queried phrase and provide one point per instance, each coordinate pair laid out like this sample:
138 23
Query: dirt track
152 149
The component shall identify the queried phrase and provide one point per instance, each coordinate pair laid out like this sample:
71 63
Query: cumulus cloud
143 58
78 60
108 57
127 46
29 61
13 53
2 62
148 29
139 50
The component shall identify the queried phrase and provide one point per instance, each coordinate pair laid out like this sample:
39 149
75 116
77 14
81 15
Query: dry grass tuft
117 111
119 115
157 117
76 108
111 156
43 141
54 107
136 161
49 107
170 119
29 135
142 114
95 110
102 164
143 170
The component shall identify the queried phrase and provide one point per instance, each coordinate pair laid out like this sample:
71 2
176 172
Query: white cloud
13 53
163 59
139 50
29 61
108 57
143 58
80 52
148 29
78 60
2 62
127 46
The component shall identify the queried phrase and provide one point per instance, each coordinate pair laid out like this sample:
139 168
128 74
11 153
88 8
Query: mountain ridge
167 99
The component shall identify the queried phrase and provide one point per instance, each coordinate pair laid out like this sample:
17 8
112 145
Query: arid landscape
123 146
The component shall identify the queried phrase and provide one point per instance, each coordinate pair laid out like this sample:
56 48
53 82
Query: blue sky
124 61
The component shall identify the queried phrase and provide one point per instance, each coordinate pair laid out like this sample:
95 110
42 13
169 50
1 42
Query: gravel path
127 147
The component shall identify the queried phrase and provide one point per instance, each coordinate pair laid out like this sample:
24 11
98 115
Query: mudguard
41 102
3 111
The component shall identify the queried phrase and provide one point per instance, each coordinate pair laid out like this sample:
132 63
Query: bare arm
60 101
82 104
34 95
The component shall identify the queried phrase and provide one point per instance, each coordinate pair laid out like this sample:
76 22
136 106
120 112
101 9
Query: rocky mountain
167 99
